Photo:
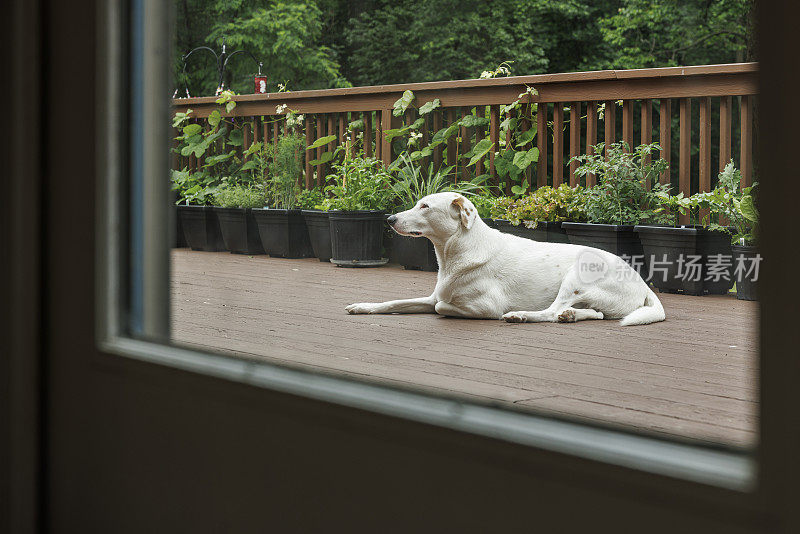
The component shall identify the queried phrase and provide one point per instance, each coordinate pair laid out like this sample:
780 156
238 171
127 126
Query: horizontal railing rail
638 106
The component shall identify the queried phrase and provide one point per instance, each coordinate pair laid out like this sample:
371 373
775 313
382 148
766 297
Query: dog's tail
651 312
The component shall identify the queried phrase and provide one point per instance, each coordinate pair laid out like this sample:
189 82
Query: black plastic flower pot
415 253
283 233
673 257
491 223
239 230
619 239
357 238
178 239
715 245
201 228
545 231
519 230
746 263
319 233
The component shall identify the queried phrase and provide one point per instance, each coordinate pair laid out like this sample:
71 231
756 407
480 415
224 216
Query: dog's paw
360 308
567 316
514 317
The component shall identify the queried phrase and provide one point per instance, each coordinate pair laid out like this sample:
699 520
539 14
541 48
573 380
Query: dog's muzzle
392 219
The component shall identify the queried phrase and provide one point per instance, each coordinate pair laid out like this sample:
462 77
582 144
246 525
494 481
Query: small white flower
486 74
280 109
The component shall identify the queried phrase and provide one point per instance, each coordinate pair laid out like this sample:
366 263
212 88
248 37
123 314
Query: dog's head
436 216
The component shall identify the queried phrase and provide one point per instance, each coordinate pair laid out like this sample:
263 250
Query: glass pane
284 251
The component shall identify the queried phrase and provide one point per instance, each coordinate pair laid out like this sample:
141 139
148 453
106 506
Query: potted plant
233 206
219 145
620 200
282 228
197 221
357 202
410 183
736 205
539 214
317 222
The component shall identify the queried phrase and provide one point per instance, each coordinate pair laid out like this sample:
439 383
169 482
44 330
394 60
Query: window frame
727 480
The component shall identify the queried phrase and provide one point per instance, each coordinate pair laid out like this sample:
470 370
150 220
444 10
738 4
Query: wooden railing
699 145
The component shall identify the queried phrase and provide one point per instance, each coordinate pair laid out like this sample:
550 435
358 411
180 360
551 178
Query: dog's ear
466 211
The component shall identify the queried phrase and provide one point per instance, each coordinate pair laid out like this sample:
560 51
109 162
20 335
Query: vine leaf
321 141
402 103
427 107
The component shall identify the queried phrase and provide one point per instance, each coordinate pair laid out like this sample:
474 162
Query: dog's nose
392 219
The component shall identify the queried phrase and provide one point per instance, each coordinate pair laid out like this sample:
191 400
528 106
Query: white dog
484 273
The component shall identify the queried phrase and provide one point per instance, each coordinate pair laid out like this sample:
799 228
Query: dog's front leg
418 305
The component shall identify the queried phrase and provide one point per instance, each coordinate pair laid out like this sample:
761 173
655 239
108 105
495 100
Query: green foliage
735 204
224 164
563 203
332 43
412 182
483 203
622 195
238 196
288 37
358 183
196 188
309 199
425 40
287 170
648 33
499 207
512 157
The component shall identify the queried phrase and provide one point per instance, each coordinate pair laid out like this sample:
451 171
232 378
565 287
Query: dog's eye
423 206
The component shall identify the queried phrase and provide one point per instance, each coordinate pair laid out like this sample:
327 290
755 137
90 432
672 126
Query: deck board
692 376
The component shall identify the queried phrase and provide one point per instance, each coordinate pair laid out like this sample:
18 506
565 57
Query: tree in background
316 44
285 36
426 40
660 33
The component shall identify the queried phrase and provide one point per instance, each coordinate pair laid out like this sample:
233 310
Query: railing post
574 140
665 136
591 137
724 131
609 123
308 156
684 183
627 122
647 129
320 150
705 149
746 148
541 143
558 144
386 146
494 138
481 112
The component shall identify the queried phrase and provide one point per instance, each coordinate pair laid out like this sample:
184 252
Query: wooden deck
693 375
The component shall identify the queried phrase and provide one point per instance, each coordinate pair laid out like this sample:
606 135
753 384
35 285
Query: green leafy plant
621 195
310 199
563 203
499 207
735 204
483 202
411 182
358 183
287 170
238 196
219 147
